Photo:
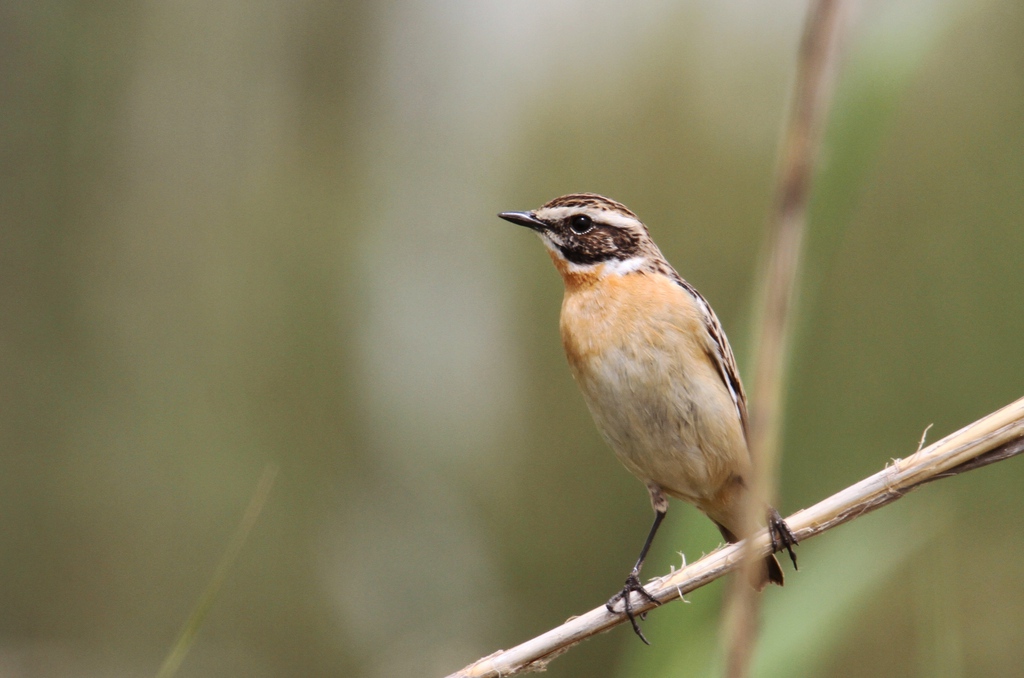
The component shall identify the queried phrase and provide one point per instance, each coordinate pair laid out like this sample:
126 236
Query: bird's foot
782 536
632 584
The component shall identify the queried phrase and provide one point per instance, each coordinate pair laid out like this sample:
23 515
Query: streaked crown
586 229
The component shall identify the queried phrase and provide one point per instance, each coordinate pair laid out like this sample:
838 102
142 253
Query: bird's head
588 233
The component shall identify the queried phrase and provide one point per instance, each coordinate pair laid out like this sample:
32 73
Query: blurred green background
241 233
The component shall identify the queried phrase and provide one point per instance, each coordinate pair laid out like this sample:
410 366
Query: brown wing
720 353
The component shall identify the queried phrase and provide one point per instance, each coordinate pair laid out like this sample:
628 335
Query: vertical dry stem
816 68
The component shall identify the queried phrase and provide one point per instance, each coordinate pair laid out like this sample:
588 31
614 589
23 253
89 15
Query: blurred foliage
239 233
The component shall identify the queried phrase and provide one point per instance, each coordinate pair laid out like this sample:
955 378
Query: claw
632 584
782 537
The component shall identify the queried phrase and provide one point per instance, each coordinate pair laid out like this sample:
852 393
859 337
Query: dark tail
772 571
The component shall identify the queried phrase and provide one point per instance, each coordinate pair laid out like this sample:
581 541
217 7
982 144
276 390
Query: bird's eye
581 223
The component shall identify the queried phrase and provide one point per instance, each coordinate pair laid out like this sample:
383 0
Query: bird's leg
660 504
782 536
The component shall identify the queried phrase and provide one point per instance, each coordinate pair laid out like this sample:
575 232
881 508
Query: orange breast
639 309
638 349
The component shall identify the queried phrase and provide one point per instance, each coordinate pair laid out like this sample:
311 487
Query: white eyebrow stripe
599 215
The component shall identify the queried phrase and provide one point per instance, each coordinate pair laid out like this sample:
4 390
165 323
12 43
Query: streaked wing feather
720 351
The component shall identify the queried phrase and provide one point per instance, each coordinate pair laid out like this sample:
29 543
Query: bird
656 372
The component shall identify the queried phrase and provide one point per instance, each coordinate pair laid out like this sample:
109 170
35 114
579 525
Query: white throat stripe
624 266
606 267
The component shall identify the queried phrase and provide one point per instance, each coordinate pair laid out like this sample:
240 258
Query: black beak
524 219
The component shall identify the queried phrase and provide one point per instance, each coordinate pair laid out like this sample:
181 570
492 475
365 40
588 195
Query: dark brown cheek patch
601 244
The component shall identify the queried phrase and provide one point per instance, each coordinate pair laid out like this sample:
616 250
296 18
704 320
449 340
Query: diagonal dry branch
998 436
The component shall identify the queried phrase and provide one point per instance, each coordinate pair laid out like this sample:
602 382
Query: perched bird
655 370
